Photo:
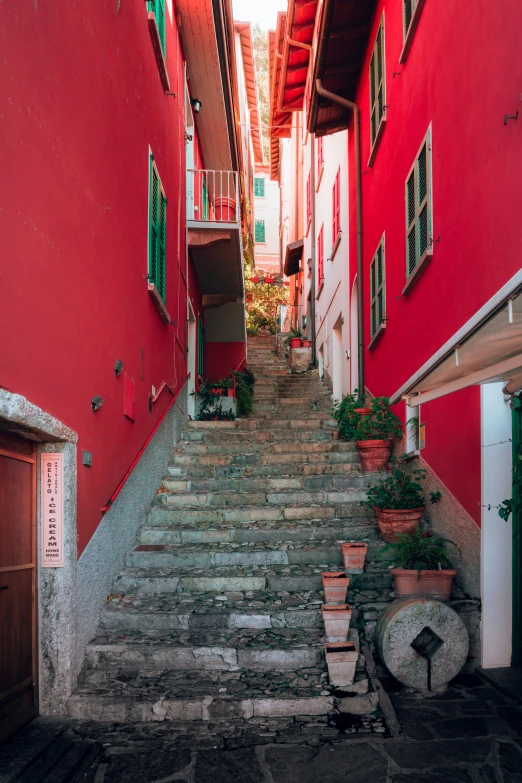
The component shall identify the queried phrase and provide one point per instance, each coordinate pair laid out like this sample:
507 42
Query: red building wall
73 220
462 77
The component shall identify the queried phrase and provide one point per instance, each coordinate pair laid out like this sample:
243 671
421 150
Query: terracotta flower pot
225 209
307 343
341 659
434 583
295 342
230 392
375 454
354 555
336 619
335 586
363 411
393 521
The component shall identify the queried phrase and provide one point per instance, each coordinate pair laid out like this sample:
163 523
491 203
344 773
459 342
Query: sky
264 12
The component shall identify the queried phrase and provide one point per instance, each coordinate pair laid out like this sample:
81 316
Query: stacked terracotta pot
341 654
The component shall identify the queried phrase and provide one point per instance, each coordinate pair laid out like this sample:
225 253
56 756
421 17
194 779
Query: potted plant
307 343
354 554
295 339
335 586
375 433
399 500
341 659
348 412
336 619
422 567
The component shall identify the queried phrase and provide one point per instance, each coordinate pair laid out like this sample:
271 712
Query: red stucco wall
221 358
82 104
460 76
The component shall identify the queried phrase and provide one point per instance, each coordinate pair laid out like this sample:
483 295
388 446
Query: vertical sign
52 510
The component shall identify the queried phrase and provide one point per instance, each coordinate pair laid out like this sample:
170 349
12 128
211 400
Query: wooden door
18 691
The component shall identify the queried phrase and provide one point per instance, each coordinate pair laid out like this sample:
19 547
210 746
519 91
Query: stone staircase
217 614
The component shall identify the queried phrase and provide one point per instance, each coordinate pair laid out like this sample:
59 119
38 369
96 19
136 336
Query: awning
300 25
293 258
341 45
488 348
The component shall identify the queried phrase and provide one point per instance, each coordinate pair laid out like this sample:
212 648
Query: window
419 208
411 11
157 230
320 257
320 159
336 207
260 231
259 187
377 290
309 198
157 7
377 86
408 8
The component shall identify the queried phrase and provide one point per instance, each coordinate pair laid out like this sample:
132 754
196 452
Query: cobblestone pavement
469 734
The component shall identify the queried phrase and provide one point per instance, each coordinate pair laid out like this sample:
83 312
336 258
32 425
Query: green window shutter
259 187
260 231
408 8
377 290
157 232
377 84
201 348
419 207
158 8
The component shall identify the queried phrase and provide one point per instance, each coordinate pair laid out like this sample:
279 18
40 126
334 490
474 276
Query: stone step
315 420
223 499
269 532
256 447
251 458
176 515
227 649
266 484
136 697
288 578
306 433
210 554
274 470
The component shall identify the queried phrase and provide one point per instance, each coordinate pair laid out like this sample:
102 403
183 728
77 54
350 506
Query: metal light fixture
118 367
96 403
196 105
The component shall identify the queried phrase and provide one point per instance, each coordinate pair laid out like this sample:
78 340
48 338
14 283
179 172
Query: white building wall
267 209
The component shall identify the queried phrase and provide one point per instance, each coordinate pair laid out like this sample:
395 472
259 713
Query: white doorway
191 362
354 339
337 360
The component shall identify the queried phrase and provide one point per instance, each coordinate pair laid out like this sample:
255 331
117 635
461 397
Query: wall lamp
196 105
96 403
118 367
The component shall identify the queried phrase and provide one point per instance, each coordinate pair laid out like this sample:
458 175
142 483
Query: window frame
320 260
336 208
413 224
320 161
158 33
157 267
308 201
262 181
259 222
377 293
409 30
377 92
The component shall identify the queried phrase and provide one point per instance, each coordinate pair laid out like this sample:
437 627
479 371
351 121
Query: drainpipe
312 249
358 217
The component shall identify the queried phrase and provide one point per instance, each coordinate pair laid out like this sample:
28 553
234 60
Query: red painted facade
460 78
73 215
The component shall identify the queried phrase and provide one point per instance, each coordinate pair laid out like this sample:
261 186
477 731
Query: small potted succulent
354 554
336 619
335 586
421 564
375 434
296 338
399 500
341 659
348 413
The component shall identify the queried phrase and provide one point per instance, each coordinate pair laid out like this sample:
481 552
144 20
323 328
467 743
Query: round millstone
422 642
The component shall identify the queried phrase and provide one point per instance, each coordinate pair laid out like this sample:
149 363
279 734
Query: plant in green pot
422 566
374 435
399 499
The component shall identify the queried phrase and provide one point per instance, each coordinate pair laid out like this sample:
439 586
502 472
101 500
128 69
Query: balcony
212 198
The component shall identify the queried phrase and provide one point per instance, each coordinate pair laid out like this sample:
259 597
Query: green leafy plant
244 399
211 404
382 424
420 551
295 333
401 489
344 413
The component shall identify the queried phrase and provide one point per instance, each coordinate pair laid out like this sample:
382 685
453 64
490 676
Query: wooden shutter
408 11
308 197
158 8
320 256
259 187
201 348
419 207
377 290
260 231
336 206
377 84
157 232
320 156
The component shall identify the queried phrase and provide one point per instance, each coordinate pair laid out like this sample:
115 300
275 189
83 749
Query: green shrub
244 398
344 413
420 550
382 424
401 489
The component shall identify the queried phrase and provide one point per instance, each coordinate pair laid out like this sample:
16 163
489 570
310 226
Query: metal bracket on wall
508 117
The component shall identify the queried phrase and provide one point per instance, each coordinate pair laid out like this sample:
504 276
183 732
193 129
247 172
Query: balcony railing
212 196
